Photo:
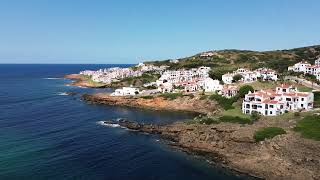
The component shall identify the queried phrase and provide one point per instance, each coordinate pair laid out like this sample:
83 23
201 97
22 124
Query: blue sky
129 31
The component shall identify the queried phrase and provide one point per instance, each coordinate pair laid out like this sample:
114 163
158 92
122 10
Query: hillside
231 59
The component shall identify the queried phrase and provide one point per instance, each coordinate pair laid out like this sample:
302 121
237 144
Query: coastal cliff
184 103
286 156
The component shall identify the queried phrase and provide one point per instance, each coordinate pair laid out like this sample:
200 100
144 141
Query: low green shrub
208 121
147 97
316 99
235 119
171 96
268 133
309 127
225 103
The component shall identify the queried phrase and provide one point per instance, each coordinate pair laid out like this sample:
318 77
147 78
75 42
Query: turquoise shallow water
46 135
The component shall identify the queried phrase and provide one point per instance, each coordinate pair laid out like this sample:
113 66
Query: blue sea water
47 135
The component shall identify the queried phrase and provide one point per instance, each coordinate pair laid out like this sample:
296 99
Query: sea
46 134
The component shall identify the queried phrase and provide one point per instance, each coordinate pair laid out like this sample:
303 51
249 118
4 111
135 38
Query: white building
165 87
210 85
248 76
275 102
191 80
267 74
126 91
307 68
299 67
227 78
229 91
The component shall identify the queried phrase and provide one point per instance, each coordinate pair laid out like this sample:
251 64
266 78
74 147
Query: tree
217 73
237 77
244 90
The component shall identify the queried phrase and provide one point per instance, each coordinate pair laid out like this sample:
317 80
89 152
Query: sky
131 31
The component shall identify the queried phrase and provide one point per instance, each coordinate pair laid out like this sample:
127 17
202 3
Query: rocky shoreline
185 103
287 156
284 157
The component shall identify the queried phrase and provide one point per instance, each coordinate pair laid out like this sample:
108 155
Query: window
270 112
302 105
271 106
302 99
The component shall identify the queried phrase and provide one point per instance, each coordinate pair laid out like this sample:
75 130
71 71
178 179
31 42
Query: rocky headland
187 103
81 81
285 156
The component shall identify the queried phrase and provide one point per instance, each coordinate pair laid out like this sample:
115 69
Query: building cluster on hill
268 102
109 75
247 75
307 68
271 102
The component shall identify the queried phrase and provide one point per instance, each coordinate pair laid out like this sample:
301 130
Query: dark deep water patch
46 135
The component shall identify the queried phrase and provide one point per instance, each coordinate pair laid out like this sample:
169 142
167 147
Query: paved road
303 82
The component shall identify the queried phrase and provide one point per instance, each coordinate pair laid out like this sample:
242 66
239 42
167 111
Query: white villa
250 76
267 74
229 91
210 85
275 102
307 68
126 91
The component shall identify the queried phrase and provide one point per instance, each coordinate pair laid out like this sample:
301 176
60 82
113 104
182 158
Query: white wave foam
62 94
107 124
52 78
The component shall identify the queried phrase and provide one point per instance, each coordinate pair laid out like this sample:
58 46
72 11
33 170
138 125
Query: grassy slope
231 59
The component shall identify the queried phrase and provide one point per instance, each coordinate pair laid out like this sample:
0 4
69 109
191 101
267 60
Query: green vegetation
138 81
309 127
235 112
217 73
237 77
171 96
255 116
147 97
304 88
208 121
278 60
268 133
244 90
235 119
316 99
225 103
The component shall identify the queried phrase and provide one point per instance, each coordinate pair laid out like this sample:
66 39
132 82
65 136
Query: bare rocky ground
185 103
286 156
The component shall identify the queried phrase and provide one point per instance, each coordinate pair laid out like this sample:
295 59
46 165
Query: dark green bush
268 133
147 97
235 119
